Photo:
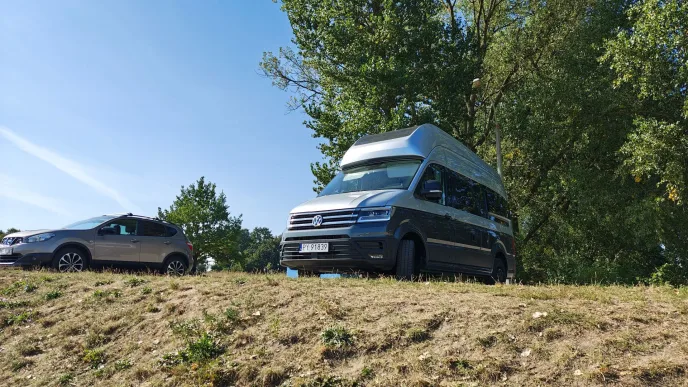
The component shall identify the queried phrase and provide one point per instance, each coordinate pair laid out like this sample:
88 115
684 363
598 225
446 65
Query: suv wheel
405 260
175 267
70 260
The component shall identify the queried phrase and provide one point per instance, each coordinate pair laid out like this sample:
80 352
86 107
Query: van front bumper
361 247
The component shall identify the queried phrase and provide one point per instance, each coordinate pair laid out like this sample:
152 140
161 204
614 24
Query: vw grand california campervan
408 201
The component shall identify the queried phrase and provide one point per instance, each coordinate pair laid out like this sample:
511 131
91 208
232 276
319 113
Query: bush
94 357
53 295
122 364
337 337
134 282
669 274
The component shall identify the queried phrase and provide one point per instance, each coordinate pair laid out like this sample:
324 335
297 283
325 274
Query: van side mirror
432 190
106 231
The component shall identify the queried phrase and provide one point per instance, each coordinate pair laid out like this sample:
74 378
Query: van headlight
39 237
382 214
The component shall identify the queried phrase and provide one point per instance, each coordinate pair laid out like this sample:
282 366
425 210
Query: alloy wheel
175 268
70 263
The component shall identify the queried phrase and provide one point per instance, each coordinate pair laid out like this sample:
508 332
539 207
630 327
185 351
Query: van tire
498 272
405 260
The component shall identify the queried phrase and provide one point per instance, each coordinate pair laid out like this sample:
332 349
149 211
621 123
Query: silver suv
104 240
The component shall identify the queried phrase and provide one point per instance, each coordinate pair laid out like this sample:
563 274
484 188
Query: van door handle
134 241
447 216
473 235
167 242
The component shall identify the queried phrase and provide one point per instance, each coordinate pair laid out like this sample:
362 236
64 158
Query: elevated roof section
421 141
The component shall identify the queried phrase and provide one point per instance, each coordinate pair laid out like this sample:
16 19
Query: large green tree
369 66
262 251
204 216
651 57
9 231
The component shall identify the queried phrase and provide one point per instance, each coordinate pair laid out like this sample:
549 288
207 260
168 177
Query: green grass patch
134 282
337 337
52 295
94 357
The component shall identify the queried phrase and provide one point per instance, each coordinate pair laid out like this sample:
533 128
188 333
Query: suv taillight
190 245
513 246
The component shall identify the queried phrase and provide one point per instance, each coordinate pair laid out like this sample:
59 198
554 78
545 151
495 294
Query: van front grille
330 219
339 248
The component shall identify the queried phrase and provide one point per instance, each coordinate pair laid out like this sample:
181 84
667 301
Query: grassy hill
238 329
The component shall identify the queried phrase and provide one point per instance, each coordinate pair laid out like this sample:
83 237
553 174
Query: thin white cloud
12 189
69 167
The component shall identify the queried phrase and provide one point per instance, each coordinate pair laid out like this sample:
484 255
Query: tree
364 67
10 230
262 253
652 58
204 216
259 250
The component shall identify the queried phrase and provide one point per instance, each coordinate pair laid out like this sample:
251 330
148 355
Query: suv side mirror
432 190
107 231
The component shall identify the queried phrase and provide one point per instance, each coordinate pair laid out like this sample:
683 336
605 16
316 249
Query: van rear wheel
498 272
405 260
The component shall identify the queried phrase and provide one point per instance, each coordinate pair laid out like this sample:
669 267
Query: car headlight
39 237
382 214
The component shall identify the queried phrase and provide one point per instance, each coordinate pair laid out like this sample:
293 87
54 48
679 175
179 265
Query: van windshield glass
384 175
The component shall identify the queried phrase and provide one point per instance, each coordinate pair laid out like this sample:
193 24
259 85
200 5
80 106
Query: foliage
10 230
337 337
53 294
94 357
652 58
590 98
204 216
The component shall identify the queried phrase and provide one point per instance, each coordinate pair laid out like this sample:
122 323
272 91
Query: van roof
419 142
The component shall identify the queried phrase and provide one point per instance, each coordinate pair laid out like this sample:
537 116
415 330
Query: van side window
460 192
495 203
432 172
479 198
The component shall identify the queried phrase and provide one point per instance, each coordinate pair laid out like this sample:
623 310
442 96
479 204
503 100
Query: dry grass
256 330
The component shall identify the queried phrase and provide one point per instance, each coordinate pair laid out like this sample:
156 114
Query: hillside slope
238 329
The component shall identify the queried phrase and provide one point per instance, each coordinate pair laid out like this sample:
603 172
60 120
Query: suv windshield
88 223
384 175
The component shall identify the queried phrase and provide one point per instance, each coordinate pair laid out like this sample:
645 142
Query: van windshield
384 175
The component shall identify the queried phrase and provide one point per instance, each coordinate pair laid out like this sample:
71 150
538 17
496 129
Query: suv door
155 242
120 243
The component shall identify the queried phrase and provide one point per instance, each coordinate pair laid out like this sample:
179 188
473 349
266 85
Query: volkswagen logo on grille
317 220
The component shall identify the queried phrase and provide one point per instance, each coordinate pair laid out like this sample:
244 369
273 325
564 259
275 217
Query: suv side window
123 226
171 231
432 172
152 229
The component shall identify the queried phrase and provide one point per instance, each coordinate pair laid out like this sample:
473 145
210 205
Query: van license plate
314 247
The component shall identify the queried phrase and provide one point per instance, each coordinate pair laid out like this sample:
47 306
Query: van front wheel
405 260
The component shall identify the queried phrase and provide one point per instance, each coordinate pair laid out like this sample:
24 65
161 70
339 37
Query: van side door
467 238
433 219
480 211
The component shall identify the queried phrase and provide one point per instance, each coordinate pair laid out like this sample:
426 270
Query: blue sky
112 106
